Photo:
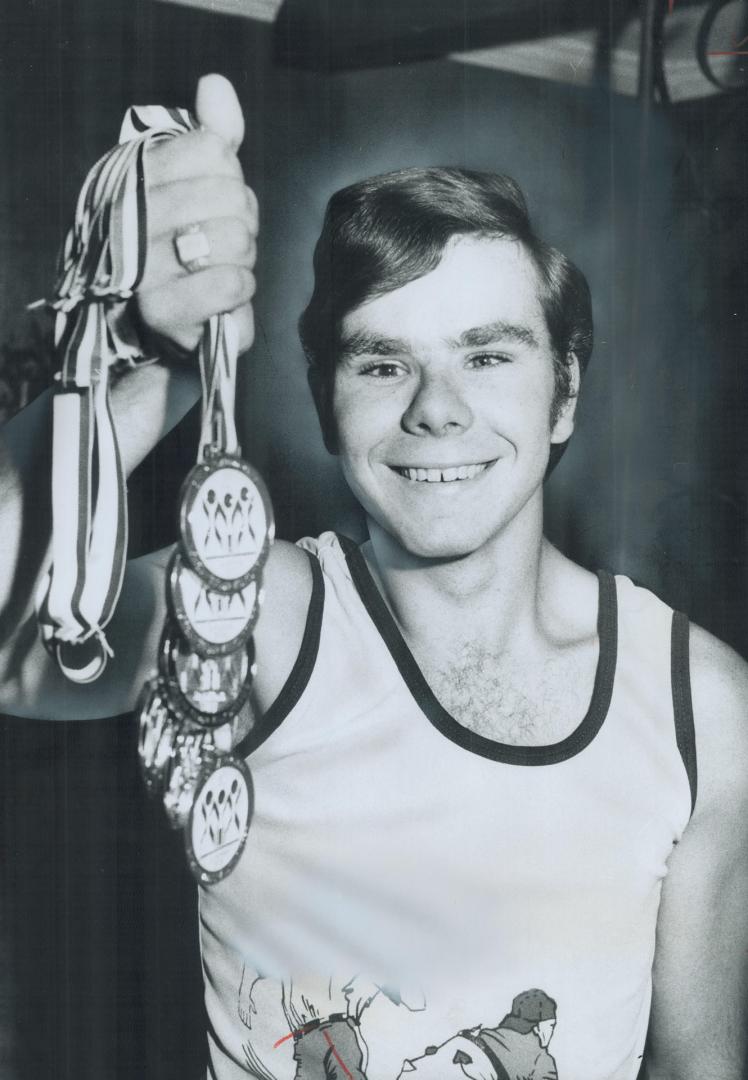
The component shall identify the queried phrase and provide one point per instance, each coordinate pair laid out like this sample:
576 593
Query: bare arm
699 1026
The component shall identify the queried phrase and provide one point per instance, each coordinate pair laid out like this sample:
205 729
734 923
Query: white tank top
417 900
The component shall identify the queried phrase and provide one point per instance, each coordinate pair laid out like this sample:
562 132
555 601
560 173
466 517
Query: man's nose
438 407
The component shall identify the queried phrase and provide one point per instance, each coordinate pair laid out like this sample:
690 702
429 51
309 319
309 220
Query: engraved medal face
213 622
208 690
226 522
219 821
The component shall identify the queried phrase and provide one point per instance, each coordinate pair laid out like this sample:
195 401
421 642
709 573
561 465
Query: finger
178 309
217 108
176 205
230 241
196 153
244 318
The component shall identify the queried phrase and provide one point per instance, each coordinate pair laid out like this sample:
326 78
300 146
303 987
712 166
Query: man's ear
320 389
564 425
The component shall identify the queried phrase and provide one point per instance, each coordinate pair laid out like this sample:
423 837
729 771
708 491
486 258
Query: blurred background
625 124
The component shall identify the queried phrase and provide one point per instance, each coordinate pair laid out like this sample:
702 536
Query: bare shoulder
570 596
719 688
286 586
287 590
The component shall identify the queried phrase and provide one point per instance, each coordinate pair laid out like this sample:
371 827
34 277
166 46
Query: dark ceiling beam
333 35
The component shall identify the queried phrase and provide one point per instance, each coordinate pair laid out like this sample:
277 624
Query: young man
476 765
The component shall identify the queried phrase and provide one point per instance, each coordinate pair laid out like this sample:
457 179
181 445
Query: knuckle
235 285
241 238
217 152
208 144
223 194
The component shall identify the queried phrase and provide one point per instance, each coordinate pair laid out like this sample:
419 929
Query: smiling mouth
442 476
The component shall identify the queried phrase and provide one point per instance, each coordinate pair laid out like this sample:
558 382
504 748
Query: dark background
99 919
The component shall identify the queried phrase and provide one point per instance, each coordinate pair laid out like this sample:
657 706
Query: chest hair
514 702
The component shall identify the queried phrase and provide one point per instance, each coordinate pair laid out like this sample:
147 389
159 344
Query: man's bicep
700 1001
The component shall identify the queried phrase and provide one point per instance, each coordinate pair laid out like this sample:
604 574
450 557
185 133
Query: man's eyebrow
362 343
478 336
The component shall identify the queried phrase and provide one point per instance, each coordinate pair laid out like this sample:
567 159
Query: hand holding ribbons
165 216
195 180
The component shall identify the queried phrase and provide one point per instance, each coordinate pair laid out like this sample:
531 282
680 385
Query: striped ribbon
101 265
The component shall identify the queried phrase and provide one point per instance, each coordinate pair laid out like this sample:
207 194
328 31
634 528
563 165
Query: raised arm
699 1027
194 178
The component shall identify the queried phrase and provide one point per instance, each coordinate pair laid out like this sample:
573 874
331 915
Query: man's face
442 401
544 1030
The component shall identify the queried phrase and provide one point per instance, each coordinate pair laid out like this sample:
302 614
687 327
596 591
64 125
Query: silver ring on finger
192 248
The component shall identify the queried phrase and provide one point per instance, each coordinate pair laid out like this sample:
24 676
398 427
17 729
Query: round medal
206 690
219 820
213 622
192 754
156 736
226 522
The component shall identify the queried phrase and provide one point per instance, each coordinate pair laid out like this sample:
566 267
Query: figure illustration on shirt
324 1020
516 1049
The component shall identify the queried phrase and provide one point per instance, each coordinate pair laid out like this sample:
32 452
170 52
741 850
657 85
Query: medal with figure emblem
212 622
226 521
217 828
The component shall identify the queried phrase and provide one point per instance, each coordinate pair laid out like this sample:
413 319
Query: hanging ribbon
101 265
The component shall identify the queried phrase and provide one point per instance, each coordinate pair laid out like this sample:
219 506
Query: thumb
217 108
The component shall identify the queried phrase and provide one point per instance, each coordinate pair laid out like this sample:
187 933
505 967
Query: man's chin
433 545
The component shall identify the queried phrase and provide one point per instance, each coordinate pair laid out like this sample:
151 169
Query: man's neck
489 594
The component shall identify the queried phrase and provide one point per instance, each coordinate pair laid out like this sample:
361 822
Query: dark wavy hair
387 231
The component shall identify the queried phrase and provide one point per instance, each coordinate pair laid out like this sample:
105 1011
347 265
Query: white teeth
436 476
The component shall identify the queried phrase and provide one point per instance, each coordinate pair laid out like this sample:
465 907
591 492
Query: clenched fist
196 180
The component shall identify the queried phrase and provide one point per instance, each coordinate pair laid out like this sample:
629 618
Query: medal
212 622
192 753
217 828
226 522
157 734
205 690
206 656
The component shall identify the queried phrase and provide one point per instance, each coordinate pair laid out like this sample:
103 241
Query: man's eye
381 369
485 360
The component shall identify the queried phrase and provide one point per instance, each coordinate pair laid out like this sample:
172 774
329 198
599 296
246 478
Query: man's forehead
482 291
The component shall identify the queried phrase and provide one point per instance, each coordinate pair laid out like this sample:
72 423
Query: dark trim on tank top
680 679
300 674
443 721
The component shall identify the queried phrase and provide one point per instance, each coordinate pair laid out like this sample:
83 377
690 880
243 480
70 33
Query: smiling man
476 767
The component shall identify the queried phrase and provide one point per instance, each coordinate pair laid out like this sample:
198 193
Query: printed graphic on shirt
323 1018
516 1049
326 1024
